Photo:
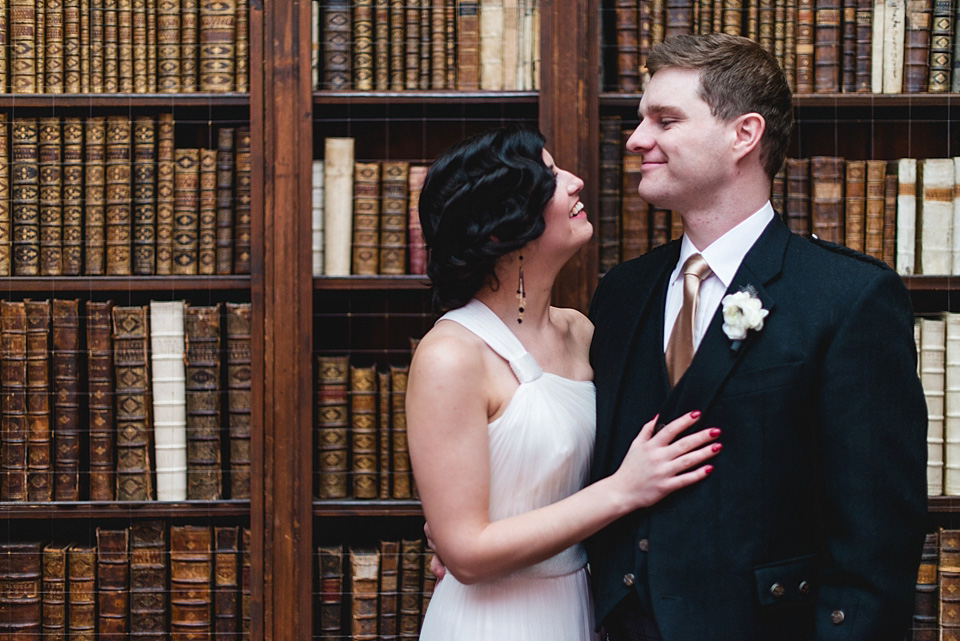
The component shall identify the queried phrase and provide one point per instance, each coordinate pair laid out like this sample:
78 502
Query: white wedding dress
540 451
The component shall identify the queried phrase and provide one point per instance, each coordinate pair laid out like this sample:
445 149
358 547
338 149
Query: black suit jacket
811 525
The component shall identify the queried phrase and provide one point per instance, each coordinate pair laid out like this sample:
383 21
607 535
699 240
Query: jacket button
643 544
628 580
804 587
837 617
777 590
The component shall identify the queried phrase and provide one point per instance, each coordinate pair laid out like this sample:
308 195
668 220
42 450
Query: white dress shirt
723 256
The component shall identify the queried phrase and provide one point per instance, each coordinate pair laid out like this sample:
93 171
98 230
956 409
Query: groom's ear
748 130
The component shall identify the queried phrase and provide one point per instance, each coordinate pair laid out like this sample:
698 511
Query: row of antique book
938 364
374 592
164 389
398 45
113 195
144 581
365 214
124 46
823 46
936 615
362 431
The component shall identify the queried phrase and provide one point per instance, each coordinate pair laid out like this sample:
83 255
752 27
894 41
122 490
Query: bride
500 402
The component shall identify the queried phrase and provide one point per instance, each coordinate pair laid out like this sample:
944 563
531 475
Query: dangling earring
521 294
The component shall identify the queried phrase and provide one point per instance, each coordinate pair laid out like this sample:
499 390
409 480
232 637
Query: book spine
167 355
366 218
217 45
389 589
393 221
363 45
246 587
805 46
168 46
95 83
635 224
826 198
316 218
23 39
906 215
21 583
949 583
73 195
242 212
13 412
411 564
239 380
55 45
935 215
204 480
397 43
608 200
152 46
100 404
130 336
111 48
207 216
438 44
125 46
189 39
932 369
226 579
423 69
191 581
331 590
384 439
873 241
890 197
411 44
186 217
364 572
144 196
165 193
468 45
54 598
951 405
49 152
941 47
242 62
118 196
39 427
25 197
66 399
827 45
924 626
363 432
113 588
916 52
333 423
81 593
6 221
416 245
338 190
848 48
148 580
139 46
225 199
855 192
402 474
95 184
337 35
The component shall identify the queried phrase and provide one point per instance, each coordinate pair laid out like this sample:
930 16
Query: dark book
416 245
207 216
394 185
246 586
660 228
363 431
678 18
54 599
72 196
191 581
39 425
916 45
848 46
941 47
948 574
225 170
144 196
140 46
362 49
332 425
151 55
118 171
239 379
165 193
82 593
411 44
826 198
396 36
468 45
864 46
608 200
635 231
13 411
242 56
133 472
186 205
337 36
855 204
366 218
778 190
411 566
189 44
827 49
423 70
806 12
890 191
111 48
168 46
113 583
217 45
381 45
226 581
331 590
203 403
96 46
95 196
402 472
384 438
241 209
955 57
364 572
873 233
389 589
50 155
925 626
628 52
25 197
66 399
148 580
438 43
21 579
429 583
6 221
100 399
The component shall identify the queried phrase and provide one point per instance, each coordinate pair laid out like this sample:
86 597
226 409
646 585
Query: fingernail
695 414
708 469
715 432
716 447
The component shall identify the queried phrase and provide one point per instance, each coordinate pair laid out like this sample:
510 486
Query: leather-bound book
144 195
855 204
40 52
25 197
393 217
169 394
468 44
873 237
226 581
676 226
191 581
148 580
381 44
935 215
82 593
54 599
242 61
118 196
397 37
224 204
23 46
416 245
100 399
608 201
21 579
364 572
186 217
402 474
389 589
864 46
941 47
113 584
628 52
438 43
826 198
916 46
384 438
83 43
645 32
429 583
130 336
949 584
932 364
332 425
827 49
53 47
111 48
805 46
139 46
95 43
411 566
635 230
337 32
189 39
66 399
151 56
660 227
125 46
338 167
362 50
13 411
168 46
785 32
924 626
411 44
331 590
366 218
732 13
207 217
242 208
848 46
204 481
217 45
363 431
679 18
778 190
165 193
246 586
955 57
72 196
238 397
50 154
6 221
39 424
95 196
890 196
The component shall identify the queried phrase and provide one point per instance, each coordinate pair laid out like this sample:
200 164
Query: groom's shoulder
830 257
656 256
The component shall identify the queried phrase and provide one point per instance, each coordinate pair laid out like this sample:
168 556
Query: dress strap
482 321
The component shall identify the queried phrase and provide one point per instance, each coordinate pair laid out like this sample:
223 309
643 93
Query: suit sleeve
872 475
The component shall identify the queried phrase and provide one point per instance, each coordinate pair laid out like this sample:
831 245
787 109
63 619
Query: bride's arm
447 413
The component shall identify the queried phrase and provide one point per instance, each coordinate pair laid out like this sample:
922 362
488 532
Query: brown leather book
130 335
144 196
113 587
608 201
151 56
165 193
96 46
226 581
118 172
40 53
66 399
826 198
941 46
366 218
111 50
238 397
827 50
396 35
21 579
890 190
125 46
778 190
332 425
393 217
924 625
53 47
855 203
246 586
384 438
864 46
679 18
676 226
805 46
411 567
785 38
389 589
423 69
337 31
217 45
224 204
54 599
95 196
364 572
949 583
438 43
362 45
186 218
645 32
242 211
148 580
191 580
100 399
766 25
468 45
450 44
203 403
416 245
242 62
628 51
84 45
25 197
39 425
635 236
381 45
49 152
207 217
23 53
82 593
72 196
13 411
331 590
848 46
139 46
402 471
873 236
411 44
363 431
916 45
168 46
6 222
660 227
429 583
189 39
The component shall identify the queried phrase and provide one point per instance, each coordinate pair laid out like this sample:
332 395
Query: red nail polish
716 447
715 432
695 414
708 469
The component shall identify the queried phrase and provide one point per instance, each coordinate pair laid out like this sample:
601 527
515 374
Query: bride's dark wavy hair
482 198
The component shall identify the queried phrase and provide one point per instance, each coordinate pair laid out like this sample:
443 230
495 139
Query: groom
810 525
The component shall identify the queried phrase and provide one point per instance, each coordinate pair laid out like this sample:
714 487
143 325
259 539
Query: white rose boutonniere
742 312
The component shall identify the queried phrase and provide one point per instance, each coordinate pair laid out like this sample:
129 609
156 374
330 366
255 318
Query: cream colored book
491 45
511 44
932 369
876 49
951 424
169 386
894 31
316 218
935 216
955 269
906 215
338 170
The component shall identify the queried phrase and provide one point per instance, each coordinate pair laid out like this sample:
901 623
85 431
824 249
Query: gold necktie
680 347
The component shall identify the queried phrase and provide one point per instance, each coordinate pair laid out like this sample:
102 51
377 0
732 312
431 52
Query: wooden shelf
421 97
840 100
406 281
123 509
943 504
339 508
122 283
932 283
122 100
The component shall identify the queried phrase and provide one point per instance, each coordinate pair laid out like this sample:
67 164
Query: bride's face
566 220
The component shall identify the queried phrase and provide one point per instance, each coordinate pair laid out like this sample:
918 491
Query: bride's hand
437 568
656 464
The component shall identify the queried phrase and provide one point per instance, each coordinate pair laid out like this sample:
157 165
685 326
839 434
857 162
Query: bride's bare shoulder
577 326
448 348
